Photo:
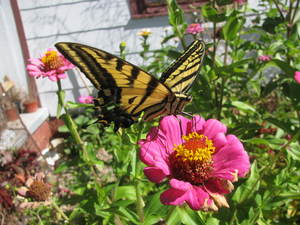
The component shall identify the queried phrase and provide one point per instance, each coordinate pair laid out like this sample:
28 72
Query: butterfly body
125 91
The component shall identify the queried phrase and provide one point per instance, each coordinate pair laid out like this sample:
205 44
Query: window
150 8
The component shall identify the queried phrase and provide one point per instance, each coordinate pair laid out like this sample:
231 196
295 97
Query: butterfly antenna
179 121
186 114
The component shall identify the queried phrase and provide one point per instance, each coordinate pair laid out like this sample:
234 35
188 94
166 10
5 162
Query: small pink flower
86 99
198 158
194 28
52 65
297 76
264 58
239 1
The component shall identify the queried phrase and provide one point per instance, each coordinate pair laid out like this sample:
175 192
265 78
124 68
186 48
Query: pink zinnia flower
52 65
297 76
194 28
264 58
86 99
198 158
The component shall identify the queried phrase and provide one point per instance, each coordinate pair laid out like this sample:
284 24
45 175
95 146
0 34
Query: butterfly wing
124 89
180 75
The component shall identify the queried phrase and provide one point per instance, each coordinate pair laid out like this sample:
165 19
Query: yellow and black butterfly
125 90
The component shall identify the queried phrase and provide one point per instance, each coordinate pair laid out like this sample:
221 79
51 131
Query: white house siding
99 23
11 63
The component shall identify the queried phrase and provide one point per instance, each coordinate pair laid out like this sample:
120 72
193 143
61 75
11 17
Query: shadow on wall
76 87
159 21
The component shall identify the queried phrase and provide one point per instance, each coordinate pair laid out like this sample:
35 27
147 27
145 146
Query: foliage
259 101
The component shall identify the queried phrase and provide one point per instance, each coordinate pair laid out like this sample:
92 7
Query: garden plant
234 161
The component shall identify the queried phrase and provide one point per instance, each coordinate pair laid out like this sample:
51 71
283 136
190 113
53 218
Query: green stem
69 121
278 8
220 103
170 212
73 129
214 43
183 42
295 11
139 197
233 216
139 201
58 209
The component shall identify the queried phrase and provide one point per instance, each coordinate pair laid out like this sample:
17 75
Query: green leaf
294 151
125 192
62 167
154 206
176 14
189 217
284 66
230 68
248 189
243 106
212 221
270 24
74 105
174 218
290 195
63 129
284 125
212 14
223 2
129 214
173 54
258 141
272 85
232 27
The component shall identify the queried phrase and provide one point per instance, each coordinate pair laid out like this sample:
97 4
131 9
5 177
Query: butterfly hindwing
180 75
124 89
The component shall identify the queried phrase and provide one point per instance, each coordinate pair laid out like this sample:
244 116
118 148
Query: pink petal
213 127
52 78
181 191
190 125
297 76
151 151
196 198
229 158
50 73
35 61
216 186
62 76
197 123
154 174
172 197
35 74
219 141
170 127
176 195
32 67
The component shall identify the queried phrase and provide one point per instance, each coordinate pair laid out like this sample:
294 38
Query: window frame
141 9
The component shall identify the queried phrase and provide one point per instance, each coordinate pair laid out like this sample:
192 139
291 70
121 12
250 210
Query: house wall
99 23
12 62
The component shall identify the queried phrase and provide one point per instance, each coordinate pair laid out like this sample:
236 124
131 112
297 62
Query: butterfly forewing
118 81
181 74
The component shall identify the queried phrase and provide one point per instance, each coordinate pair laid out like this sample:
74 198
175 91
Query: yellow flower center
52 61
197 147
192 160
